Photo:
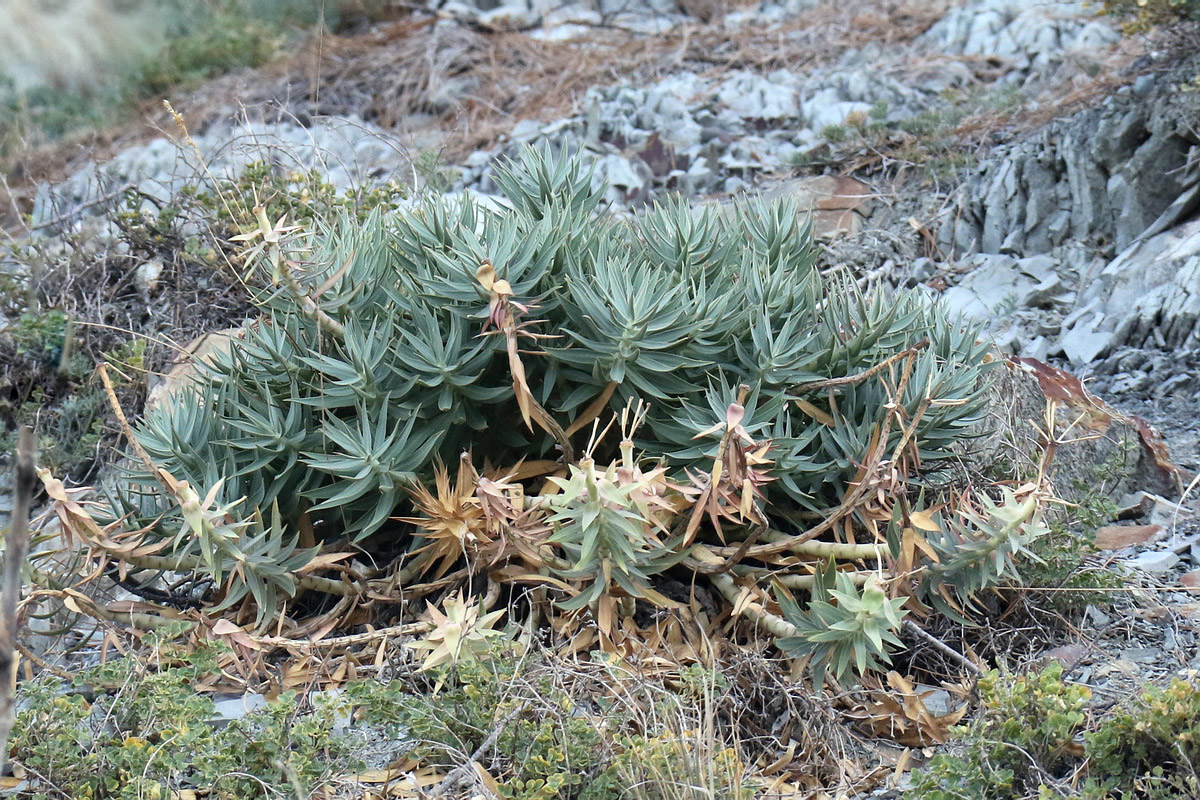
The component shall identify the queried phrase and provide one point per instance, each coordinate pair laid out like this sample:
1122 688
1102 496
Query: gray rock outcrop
1105 176
1026 35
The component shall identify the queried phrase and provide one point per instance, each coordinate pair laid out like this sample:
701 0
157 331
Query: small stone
923 269
1098 617
1083 342
1168 514
234 708
751 96
1121 666
1068 655
508 18
1141 655
938 702
1116 537
1155 562
1192 581
525 130
1135 506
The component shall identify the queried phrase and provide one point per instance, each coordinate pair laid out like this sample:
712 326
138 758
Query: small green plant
835 134
1060 562
40 337
151 734
434 176
226 43
1034 738
1025 742
303 197
1145 14
846 636
1150 749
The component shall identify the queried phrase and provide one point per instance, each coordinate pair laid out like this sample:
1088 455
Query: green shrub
649 745
138 728
1032 739
43 383
1023 744
224 45
332 410
148 733
545 748
835 134
1148 13
1150 748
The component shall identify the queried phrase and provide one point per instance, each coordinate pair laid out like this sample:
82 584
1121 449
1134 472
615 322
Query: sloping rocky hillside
1027 163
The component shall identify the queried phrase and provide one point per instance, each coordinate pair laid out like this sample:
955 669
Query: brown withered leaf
901 715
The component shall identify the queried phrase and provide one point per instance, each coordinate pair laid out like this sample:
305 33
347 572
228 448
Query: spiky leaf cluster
979 547
845 630
608 535
333 402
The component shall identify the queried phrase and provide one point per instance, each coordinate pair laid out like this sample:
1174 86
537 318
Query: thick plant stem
307 305
191 564
777 626
141 620
842 552
792 581
16 545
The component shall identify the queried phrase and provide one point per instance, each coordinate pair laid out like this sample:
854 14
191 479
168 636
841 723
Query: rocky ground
1022 160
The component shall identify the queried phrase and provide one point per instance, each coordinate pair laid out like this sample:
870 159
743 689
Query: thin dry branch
462 773
850 380
943 648
69 215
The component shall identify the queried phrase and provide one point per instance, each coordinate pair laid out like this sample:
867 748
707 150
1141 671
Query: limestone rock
349 152
1107 174
1156 562
1028 36
1147 297
183 370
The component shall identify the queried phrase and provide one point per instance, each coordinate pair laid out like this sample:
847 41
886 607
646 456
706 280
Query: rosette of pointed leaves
452 518
606 529
979 547
844 630
461 633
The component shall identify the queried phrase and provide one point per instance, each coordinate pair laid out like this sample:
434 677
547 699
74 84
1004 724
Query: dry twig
943 648
462 773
